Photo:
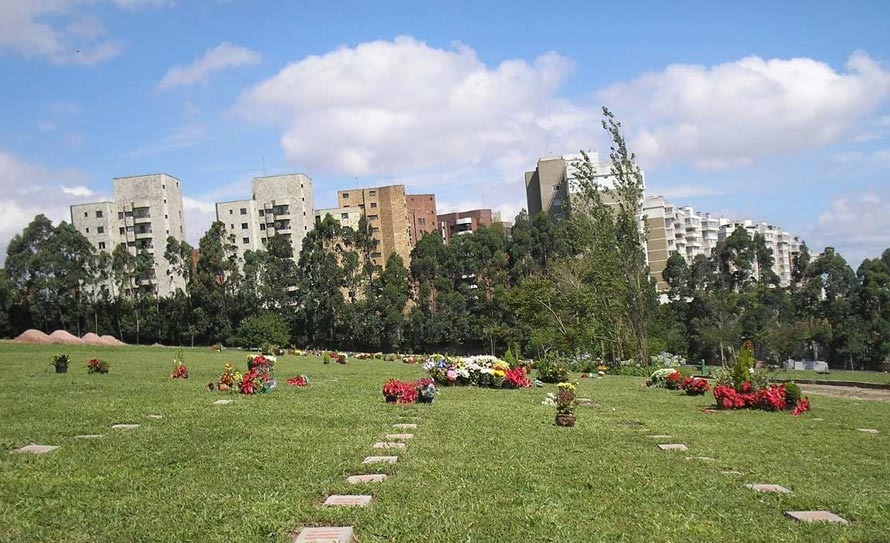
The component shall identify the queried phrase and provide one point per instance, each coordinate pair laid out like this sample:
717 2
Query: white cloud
733 114
52 29
856 224
185 136
78 190
199 215
224 55
30 189
402 107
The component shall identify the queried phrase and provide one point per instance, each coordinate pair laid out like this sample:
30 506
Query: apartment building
555 179
280 205
346 216
421 216
146 210
386 209
462 222
689 233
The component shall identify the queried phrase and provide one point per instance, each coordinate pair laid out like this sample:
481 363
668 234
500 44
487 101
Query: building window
165 200
345 195
244 226
246 241
375 230
231 227
262 212
86 214
344 215
372 193
373 217
101 245
88 229
244 211
231 211
121 230
120 215
165 216
100 229
99 214
262 226
163 187
373 204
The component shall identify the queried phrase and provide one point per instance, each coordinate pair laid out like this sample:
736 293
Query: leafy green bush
792 393
263 330
551 369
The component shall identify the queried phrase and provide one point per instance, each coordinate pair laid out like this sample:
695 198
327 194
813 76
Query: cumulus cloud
53 30
199 214
403 107
224 55
856 224
29 189
733 114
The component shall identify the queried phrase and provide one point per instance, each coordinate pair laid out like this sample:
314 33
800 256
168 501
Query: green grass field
485 465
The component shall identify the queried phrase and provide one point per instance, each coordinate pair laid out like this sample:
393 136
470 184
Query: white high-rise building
689 233
280 205
147 209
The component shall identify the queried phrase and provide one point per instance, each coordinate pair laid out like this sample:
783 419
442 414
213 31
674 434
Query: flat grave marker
399 436
369 478
223 402
35 449
779 489
673 447
405 426
156 417
731 472
380 460
88 436
326 535
389 445
348 500
816 516
868 430
660 436
700 458
124 426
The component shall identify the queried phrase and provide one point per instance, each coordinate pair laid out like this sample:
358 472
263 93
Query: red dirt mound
33 337
62 336
112 341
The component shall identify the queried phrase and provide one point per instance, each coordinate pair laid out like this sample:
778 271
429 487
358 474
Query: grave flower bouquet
229 379
426 390
400 392
97 365
180 371
745 388
694 386
298 381
259 376
483 370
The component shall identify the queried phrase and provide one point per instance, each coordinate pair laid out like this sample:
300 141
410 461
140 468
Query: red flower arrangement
803 405
298 381
408 392
180 371
694 386
771 398
97 365
516 378
674 381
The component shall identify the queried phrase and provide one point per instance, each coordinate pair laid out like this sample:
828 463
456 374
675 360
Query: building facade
346 216
147 209
280 205
421 216
555 179
386 209
462 222
689 233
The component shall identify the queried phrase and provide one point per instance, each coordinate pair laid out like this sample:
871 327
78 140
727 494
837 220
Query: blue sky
779 113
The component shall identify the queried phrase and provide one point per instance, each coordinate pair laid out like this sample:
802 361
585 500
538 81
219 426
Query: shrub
263 330
792 393
551 369
674 381
659 377
744 366
666 360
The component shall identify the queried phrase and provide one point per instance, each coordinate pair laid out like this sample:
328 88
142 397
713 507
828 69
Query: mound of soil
157 345
112 341
92 339
65 338
33 337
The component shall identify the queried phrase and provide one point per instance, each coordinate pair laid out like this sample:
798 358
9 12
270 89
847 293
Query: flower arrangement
60 362
97 365
483 371
180 371
694 386
665 359
744 388
564 400
674 381
229 379
551 369
408 392
426 390
658 379
259 377
298 381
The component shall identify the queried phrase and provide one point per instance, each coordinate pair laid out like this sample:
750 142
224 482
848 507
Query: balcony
144 235
144 219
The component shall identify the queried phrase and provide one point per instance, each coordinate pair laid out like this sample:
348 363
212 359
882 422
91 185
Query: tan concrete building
421 216
386 209
146 210
462 223
551 185
280 205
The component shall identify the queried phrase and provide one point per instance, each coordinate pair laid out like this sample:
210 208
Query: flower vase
62 369
424 399
565 419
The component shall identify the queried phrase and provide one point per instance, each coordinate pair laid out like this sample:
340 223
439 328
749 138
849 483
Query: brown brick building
421 216
386 209
462 222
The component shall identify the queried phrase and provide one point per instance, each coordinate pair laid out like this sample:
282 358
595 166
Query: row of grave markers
346 534
802 516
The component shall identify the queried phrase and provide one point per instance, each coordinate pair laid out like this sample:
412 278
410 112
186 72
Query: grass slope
485 465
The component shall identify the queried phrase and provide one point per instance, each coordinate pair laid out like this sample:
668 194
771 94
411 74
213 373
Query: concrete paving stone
36 449
380 460
156 417
660 436
405 426
326 535
731 472
868 430
768 488
223 402
399 436
816 516
700 458
124 426
672 447
348 500
389 445
369 478
88 436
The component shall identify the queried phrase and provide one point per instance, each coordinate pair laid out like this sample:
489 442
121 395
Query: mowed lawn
485 465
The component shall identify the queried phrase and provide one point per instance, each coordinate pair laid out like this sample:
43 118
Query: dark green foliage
551 369
266 329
